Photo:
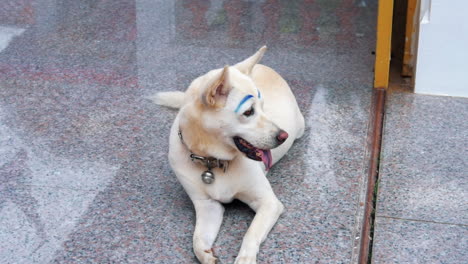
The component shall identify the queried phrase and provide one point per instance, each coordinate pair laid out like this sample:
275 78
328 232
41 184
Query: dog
234 123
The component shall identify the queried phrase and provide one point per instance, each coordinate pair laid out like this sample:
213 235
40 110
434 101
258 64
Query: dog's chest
221 190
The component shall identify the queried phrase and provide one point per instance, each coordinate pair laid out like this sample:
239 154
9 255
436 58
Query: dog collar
210 163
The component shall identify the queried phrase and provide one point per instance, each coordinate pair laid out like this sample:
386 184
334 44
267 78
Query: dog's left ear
216 95
247 65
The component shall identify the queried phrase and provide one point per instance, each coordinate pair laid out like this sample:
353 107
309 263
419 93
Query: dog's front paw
206 256
246 260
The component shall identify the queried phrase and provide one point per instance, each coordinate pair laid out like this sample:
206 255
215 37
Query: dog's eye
249 112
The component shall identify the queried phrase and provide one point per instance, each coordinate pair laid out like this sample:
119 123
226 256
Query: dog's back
280 102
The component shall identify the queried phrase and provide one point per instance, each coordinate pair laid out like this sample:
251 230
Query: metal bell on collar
207 177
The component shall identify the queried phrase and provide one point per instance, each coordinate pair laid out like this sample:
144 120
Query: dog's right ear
216 95
247 65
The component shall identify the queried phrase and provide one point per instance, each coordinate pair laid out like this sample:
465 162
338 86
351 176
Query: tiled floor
411 241
83 168
422 207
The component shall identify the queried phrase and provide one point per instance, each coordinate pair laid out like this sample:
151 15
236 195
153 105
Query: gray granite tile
74 115
403 241
35 221
24 162
144 226
424 159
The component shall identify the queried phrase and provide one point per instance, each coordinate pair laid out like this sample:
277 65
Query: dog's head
225 115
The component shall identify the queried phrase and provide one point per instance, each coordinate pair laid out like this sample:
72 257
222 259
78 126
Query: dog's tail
169 99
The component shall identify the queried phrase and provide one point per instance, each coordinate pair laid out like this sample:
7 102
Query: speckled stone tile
424 159
35 221
143 226
75 119
403 241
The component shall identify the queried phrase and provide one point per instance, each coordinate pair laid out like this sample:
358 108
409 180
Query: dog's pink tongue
266 158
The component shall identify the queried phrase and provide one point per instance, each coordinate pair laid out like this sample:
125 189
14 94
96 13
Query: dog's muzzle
258 154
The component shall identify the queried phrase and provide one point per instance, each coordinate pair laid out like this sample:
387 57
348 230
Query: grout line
58 187
88 190
423 221
378 106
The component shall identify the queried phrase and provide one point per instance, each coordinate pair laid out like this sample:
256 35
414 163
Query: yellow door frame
384 44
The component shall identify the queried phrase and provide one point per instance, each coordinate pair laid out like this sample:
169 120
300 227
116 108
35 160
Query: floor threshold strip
377 116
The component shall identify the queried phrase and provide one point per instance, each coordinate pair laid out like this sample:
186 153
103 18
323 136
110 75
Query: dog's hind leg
209 218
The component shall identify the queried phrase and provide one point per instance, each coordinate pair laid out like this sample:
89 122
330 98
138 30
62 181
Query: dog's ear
247 65
216 95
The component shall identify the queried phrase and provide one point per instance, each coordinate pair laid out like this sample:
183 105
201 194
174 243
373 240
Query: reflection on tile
425 159
402 241
143 226
6 34
35 221
23 164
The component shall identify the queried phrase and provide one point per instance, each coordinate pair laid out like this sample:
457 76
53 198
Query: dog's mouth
253 152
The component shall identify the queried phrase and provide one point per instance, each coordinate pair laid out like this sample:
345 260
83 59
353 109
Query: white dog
229 120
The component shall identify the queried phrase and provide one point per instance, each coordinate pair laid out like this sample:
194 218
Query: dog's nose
282 136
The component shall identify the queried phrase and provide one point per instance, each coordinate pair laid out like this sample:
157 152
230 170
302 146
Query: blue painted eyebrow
247 97
259 95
